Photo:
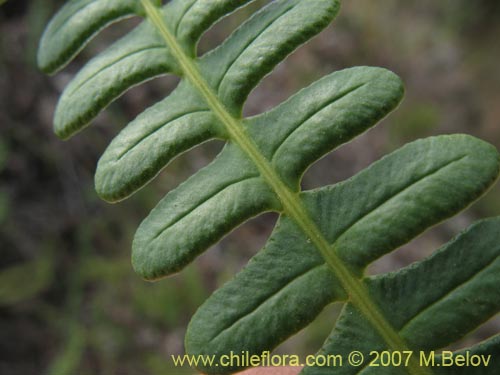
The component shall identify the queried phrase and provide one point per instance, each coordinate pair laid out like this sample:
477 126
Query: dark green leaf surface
171 237
364 203
476 284
323 116
432 303
487 349
324 238
189 19
251 52
147 144
282 289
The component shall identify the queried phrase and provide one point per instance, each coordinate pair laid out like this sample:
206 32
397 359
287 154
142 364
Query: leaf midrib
110 65
71 15
291 203
177 219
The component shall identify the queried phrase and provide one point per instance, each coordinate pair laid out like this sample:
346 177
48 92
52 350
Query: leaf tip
62 132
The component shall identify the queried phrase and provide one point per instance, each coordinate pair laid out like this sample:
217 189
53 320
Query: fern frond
325 238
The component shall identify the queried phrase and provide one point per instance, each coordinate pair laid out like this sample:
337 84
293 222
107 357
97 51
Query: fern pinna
324 238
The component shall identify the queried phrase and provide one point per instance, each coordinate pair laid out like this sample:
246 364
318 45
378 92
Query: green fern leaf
325 238
432 304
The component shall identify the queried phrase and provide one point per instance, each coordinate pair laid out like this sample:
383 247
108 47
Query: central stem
291 202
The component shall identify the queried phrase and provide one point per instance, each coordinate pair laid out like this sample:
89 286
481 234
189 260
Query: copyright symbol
356 358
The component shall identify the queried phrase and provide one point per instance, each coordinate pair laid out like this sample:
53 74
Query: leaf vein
314 113
403 189
186 11
158 128
450 291
72 15
267 298
203 201
248 44
109 65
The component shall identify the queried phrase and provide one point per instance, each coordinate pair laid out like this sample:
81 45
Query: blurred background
70 302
